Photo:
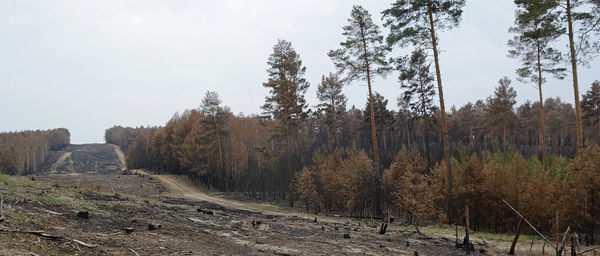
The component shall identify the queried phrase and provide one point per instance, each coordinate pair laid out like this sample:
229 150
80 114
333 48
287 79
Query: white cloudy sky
88 65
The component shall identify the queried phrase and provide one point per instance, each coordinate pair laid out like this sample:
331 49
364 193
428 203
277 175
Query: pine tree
333 106
213 124
591 105
582 21
363 56
415 22
286 103
499 114
535 28
417 82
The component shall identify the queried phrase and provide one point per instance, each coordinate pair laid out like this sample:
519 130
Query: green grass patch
57 200
18 184
450 233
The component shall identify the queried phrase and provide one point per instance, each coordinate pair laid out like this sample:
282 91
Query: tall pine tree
363 56
535 28
415 22
582 19
286 103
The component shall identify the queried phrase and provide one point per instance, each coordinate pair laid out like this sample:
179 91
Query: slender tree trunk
378 190
408 134
222 167
598 125
542 129
425 121
450 210
333 127
383 139
578 120
516 238
504 135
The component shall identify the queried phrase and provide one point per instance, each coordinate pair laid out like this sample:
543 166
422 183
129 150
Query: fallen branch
41 234
51 212
83 243
136 254
526 221
586 251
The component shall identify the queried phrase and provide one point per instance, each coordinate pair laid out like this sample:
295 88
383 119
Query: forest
422 163
24 152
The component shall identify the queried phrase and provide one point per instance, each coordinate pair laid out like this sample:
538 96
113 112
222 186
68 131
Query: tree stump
153 226
83 215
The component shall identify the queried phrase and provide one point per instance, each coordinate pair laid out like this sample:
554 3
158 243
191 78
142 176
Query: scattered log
83 215
514 242
346 236
383 228
153 226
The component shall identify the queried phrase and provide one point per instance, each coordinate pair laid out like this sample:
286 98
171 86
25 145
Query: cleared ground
40 218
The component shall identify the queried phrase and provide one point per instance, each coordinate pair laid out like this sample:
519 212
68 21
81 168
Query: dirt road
179 186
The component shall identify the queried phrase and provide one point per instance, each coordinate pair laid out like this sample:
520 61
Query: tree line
25 152
367 160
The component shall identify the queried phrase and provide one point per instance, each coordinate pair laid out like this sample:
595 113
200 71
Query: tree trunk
450 210
542 129
379 195
467 242
425 121
408 134
578 121
514 242
598 124
504 135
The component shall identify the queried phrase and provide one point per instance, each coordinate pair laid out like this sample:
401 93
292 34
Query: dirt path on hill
179 186
60 160
121 155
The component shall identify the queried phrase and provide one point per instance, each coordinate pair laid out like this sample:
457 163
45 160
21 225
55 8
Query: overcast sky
89 65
